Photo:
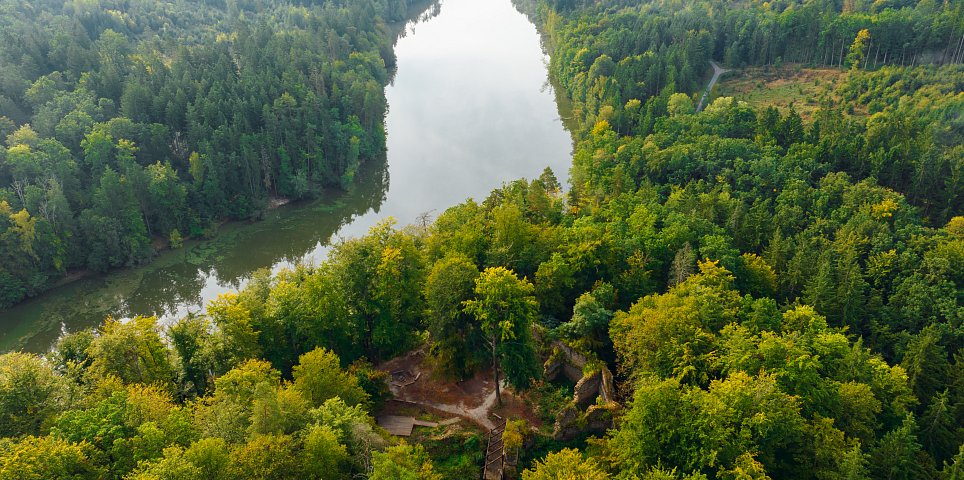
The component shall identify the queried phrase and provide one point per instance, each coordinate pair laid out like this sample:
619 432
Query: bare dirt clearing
473 400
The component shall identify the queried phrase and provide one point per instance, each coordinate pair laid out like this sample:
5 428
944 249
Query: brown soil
473 399
432 387
515 407
159 243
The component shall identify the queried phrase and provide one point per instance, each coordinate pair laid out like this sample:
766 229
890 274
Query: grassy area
806 88
456 450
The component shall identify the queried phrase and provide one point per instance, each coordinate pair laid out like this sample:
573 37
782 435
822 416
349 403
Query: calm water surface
469 109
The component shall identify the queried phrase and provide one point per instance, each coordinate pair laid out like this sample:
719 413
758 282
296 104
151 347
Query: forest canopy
777 296
128 125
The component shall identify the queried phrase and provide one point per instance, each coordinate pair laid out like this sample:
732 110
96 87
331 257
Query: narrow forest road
717 71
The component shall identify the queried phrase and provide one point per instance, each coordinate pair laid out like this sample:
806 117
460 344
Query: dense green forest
621 61
129 121
779 297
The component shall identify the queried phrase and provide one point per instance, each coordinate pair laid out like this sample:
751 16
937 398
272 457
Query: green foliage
548 399
374 382
324 455
455 335
46 458
455 454
780 291
514 434
679 104
134 121
133 352
403 462
590 319
319 377
734 416
229 412
804 212
895 456
505 309
253 425
30 394
858 50
129 425
567 464
265 457
175 240
379 278
671 334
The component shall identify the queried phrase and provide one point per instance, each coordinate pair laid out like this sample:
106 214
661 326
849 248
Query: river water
470 107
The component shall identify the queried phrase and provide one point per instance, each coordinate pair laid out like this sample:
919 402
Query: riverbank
159 244
443 147
179 281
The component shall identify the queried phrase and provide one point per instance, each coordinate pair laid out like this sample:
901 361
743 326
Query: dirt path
478 414
717 71
473 399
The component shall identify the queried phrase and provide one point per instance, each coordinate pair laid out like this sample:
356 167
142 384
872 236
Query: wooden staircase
495 453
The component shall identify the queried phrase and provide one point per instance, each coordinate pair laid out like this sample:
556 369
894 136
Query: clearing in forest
806 88
472 400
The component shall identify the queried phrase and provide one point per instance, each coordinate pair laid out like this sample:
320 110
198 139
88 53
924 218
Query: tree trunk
147 224
957 52
495 373
950 38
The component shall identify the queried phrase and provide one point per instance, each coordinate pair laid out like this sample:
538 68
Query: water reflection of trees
163 291
179 278
418 12
285 236
300 229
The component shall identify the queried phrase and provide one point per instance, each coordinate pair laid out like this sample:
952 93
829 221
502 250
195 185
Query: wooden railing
494 453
